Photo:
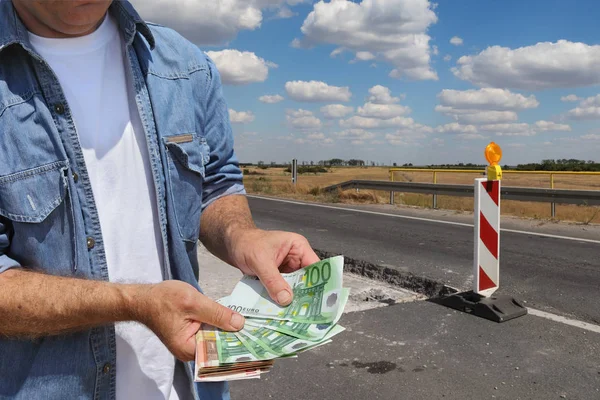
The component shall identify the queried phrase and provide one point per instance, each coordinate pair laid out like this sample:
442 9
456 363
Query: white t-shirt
94 74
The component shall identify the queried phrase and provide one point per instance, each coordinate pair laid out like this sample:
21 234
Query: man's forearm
221 221
34 305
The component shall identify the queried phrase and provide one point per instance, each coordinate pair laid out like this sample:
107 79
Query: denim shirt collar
13 31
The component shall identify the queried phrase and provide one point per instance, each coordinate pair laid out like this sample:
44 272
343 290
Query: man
114 141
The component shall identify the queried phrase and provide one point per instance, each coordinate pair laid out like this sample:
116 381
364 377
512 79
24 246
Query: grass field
277 182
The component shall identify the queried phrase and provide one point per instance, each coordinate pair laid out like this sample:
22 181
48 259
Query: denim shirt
48 219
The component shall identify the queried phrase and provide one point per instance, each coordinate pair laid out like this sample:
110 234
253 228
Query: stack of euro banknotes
272 331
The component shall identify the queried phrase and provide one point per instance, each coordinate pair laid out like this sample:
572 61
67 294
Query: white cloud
297 44
375 123
333 111
483 106
544 126
501 129
487 99
240 117
456 41
313 138
477 116
569 139
315 91
404 137
284 12
381 95
240 68
333 54
361 122
355 134
584 113
471 136
271 99
364 56
570 97
589 109
544 65
591 101
591 136
514 129
212 22
382 111
487 117
447 57
302 119
392 30
456 128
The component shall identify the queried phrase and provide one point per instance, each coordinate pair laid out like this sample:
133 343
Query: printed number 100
319 274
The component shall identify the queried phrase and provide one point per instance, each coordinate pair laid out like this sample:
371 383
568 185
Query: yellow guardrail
435 172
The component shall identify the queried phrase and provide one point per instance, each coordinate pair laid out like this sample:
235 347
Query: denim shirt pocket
188 155
36 202
30 196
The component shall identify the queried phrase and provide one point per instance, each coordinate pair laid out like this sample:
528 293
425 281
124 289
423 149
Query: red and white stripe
487 237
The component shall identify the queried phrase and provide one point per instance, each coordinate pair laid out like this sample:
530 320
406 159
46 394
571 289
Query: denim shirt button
59 108
106 368
91 243
75 177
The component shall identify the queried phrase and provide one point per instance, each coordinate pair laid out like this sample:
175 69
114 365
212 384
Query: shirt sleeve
5 261
222 173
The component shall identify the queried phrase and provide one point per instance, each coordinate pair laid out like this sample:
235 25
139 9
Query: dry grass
275 181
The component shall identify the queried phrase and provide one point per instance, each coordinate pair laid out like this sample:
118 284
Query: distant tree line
561 165
448 166
546 165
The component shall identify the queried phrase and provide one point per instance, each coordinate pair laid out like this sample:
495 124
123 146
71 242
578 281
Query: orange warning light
493 153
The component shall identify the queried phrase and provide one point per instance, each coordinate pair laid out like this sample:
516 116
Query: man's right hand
175 310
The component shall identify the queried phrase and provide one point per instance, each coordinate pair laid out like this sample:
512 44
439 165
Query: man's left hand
268 253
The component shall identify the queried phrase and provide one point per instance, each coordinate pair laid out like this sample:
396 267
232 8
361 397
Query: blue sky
402 80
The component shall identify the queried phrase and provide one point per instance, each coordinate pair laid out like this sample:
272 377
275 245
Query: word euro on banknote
317 293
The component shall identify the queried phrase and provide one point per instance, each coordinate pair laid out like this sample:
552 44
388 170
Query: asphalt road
555 275
421 351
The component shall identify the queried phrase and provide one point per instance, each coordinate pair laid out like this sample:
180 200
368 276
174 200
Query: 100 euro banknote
317 293
302 330
282 344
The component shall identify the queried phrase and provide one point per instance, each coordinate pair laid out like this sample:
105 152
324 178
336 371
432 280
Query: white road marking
425 219
564 320
552 236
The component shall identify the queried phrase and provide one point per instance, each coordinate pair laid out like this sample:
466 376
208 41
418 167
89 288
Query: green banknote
260 352
279 343
215 347
301 330
317 295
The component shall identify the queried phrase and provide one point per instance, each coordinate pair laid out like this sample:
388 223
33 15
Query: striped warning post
487 237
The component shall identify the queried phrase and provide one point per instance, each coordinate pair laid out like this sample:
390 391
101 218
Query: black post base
499 308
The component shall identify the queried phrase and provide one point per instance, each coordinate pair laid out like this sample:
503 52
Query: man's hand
228 231
175 310
267 253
